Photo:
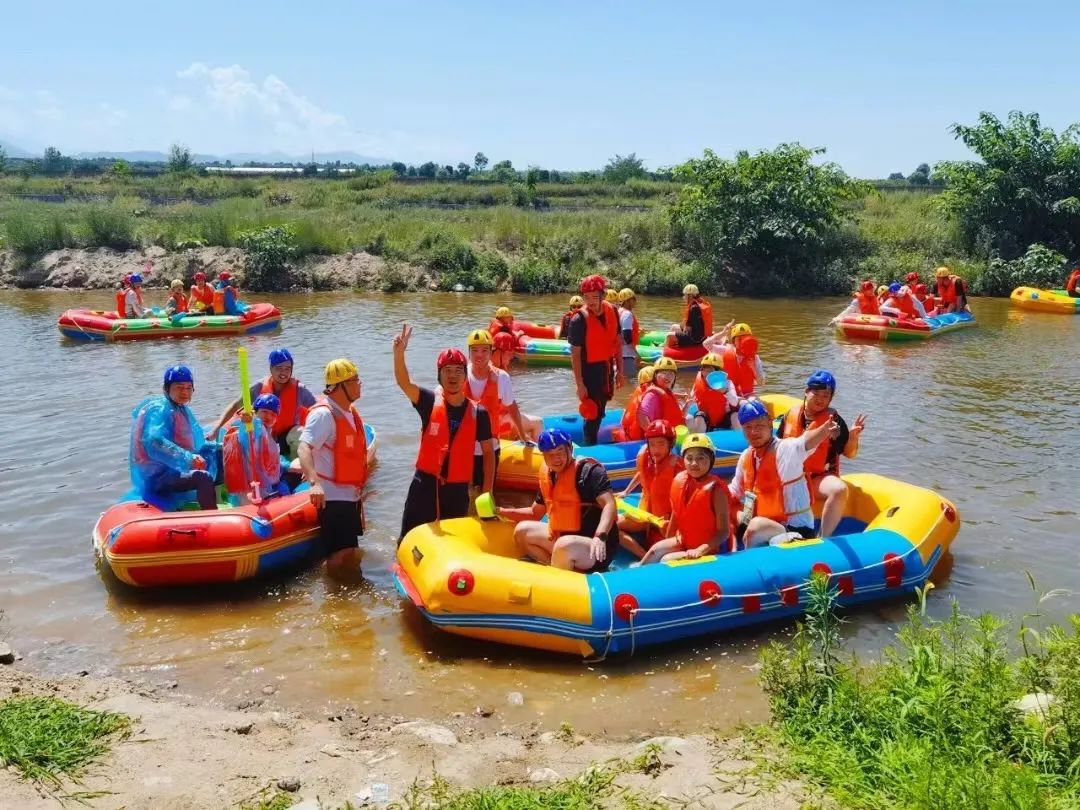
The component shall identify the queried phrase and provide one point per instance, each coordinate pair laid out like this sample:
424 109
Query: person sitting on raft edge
169 457
575 493
176 302
202 295
697 320
1072 284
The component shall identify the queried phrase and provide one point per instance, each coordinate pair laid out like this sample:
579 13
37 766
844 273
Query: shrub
109 227
32 235
1038 267
534 274
269 253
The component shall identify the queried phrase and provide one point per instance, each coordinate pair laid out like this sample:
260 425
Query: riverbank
184 753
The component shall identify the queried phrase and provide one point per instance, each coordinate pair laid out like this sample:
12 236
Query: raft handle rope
611 625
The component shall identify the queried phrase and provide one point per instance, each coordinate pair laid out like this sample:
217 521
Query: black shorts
420 503
723 424
684 340
342 523
478 467
806 532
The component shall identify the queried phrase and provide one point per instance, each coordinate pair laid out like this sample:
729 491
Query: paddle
637 513
245 397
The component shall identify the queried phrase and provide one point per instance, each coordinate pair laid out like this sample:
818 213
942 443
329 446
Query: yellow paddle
637 513
245 398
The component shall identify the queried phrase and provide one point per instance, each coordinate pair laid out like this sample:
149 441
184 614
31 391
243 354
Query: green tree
896 176
54 163
180 161
464 170
1025 189
480 161
121 170
764 222
503 171
399 168
921 175
310 170
622 168
427 169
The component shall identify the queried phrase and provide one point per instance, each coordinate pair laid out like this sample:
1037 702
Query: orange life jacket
763 479
670 409
947 292
497 326
563 502
635 327
692 509
712 403
238 448
868 303
706 314
180 300
203 295
739 372
1073 282
138 297
490 399
121 302
656 481
350 446
632 431
904 305
602 343
817 463
290 414
436 446
219 301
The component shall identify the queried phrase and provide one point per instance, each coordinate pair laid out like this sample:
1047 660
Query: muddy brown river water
989 416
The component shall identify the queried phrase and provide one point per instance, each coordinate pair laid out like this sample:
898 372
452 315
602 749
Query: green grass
272 800
933 725
46 738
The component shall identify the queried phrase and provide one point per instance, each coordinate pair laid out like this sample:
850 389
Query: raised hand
401 341
860 424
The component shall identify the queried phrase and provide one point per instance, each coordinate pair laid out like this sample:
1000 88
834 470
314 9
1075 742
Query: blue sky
556 84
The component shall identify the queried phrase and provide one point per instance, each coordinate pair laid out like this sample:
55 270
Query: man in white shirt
771 471
629 330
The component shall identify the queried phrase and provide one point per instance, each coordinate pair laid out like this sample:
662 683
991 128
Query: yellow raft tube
1045 300
464 576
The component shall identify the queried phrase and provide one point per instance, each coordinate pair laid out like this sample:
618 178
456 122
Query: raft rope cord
611 625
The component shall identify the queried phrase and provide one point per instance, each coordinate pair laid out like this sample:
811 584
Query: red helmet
200 276
593 283
660 429
867 286
920 289
505 342
450 357
912 278
224 275
748 346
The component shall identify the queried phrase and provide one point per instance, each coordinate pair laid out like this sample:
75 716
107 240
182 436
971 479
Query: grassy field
621 230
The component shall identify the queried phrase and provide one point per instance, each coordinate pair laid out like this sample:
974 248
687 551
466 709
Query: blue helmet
179 374
894 288
550 439
268 402
752 409
135 279
279 356
822 379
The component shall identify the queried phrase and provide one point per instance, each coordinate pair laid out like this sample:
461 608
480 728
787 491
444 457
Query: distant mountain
11 150
238 158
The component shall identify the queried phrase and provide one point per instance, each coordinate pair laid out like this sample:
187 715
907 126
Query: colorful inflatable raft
556 353
1045 300
85 324
148 547
884 327
465 577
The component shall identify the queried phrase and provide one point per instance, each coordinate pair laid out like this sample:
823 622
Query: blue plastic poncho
249 457
165 438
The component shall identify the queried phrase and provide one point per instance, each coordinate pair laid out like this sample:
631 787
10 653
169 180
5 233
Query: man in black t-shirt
451 428
582 532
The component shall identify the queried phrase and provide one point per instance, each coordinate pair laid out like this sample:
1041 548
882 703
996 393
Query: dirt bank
102 268
186 754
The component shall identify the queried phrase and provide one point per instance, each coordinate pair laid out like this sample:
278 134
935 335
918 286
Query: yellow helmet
665 364
577 301
625 294
690 289
503 312
882 289
611 296
712 360
480 337
176 284
645 375
942 272
740 329
699 440
337 371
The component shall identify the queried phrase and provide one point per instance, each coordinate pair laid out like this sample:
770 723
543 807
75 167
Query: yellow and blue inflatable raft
463 575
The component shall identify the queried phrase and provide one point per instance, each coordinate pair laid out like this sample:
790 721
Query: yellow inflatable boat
1045 300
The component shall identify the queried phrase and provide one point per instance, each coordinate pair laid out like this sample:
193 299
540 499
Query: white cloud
179 103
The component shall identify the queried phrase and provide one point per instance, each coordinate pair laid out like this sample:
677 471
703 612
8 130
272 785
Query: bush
269 253
660 273
1038 267
534 274
109 227
32 235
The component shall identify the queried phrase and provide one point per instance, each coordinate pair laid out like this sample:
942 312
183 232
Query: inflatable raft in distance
1045 300
86 325
888 328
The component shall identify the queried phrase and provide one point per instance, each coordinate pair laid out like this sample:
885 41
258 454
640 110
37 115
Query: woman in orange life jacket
656 469
902 301
863 302
581 533
202 296
659 400
333 458
951 292
595 352
240 447
770 480
700 522
629 329
630 426
295 398
121 296
822 466
177 301
922 295
697 320
738 348
503 323
451 426
1072 284
576 303
715 400
911 279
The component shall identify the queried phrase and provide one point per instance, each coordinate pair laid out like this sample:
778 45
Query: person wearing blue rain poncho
169 457
225 299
